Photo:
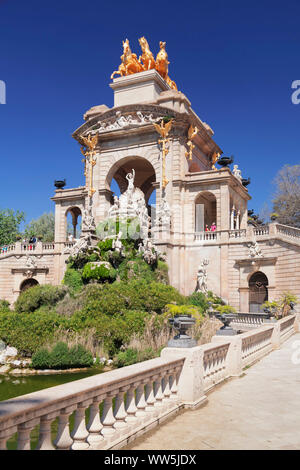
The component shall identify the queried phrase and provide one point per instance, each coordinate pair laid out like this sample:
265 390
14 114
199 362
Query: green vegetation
225 309
43 227
61 357
112 304
39 296
9 225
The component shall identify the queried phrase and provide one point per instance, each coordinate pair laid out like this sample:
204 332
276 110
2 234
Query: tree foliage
286 202
9 225
42 227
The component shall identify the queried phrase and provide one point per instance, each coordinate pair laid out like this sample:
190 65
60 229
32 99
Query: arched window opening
205 212
73 223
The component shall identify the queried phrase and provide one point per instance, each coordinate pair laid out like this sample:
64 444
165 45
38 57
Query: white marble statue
88 221
164 214
131 205
202 277
30 262
117 245
82 244
254 250
237 172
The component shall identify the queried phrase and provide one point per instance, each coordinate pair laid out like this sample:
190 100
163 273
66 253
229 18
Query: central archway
258 291
144 175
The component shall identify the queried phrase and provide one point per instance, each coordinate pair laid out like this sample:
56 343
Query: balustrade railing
120 403
256 344
214 364
48 246
112 408
237 233
291 232
206 236
263 230
4 250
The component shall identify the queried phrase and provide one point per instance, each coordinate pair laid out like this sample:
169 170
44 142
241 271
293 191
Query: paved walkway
259 410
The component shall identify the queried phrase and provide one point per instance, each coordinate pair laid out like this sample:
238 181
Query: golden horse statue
161 65
129 64
146 58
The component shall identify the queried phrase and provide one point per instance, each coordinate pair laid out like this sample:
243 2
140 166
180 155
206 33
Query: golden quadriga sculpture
131 64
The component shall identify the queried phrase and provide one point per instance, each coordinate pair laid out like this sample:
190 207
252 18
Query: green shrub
4 306
61 357
100 273
41 359
226 309
38 296
132 356
200 300
73 280
105 245
28 333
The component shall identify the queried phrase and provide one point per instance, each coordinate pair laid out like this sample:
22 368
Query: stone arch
258 290
145 174
205 204
27 283
75 212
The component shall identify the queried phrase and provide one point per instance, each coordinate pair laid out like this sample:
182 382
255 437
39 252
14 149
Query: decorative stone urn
246 182
59 184
224 162
182 323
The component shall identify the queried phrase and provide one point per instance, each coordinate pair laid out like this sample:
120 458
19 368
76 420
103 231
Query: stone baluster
94 425
80 433
120 412
63 439
174 384
158 391
24 431
108 419
166 388
140 399
150 398
45 440
131 408
5 435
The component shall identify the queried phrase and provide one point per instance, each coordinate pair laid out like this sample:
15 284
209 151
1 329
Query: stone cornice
257 261
70 194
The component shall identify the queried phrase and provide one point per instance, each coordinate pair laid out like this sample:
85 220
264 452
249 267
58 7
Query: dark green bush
73 280
61 357
28 333
41 359
200 300
38 296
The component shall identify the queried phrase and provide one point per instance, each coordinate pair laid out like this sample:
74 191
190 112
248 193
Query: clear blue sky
235 61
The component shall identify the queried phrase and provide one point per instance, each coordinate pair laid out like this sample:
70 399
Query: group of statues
125 122
131 205
130 64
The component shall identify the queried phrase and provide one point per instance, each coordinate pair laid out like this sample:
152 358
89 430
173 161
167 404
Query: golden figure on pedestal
146 58
88 145
214 159
163 130
130 64
191 134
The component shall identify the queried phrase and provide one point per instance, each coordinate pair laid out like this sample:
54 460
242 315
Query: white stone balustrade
111 428
135 398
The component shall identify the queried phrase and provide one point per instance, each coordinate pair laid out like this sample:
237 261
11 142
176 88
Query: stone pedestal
138 88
